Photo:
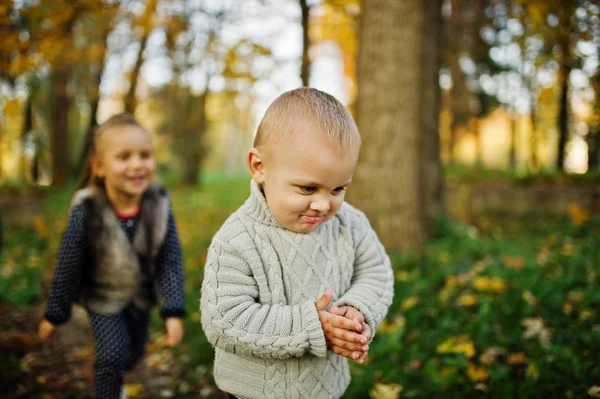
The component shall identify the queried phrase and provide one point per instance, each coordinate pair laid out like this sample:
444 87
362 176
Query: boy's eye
307 189
339 190
145 154
123 156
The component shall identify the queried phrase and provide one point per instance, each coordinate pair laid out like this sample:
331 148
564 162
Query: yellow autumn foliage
489 284
477 373
461 344
578 215
386 391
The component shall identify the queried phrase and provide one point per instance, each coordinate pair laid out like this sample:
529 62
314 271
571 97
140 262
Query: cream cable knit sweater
260 285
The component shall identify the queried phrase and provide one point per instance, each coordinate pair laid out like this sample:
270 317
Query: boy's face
304 177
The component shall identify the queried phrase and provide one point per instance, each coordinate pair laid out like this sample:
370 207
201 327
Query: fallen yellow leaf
578 215
460 344
477 373
517 358
386 391
594 391
467 300
513 262
409 303
134 390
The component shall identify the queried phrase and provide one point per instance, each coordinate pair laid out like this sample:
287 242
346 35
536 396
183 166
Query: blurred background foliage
481 125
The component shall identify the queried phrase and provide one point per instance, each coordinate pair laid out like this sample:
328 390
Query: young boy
277 263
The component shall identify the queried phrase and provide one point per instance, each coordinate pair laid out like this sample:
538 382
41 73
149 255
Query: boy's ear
256 166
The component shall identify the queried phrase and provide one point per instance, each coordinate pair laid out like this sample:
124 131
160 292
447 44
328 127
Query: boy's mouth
313 219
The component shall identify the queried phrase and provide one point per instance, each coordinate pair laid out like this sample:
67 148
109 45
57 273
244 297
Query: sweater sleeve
372 286
68 272
235 321
170 277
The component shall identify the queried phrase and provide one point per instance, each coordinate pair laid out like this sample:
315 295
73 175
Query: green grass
457 326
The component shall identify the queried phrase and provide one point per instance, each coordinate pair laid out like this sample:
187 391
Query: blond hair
314 106
87 177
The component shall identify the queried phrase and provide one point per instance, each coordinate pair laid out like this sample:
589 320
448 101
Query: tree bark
430 163
194 151
130 97
94 102
533 139
512 154
398 179
476 127
25 129
305 66
563 117
59 133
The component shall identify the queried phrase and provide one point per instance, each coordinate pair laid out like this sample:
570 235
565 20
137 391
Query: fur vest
121 271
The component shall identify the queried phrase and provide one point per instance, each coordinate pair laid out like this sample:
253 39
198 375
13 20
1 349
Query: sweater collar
257 206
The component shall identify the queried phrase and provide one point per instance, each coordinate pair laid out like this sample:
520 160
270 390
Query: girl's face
125 161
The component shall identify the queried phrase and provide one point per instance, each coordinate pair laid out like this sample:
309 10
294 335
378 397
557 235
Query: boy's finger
341 351
324 301
348 336
362 358
347 324
366 332
354 347
336 311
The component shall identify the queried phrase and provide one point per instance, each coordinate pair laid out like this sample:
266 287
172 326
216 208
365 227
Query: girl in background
119 253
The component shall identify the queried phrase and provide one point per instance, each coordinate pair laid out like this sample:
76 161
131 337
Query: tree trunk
593 142
59 131
476 127
94 102
593 136
430 163
452 142
398 180
533 141
194 151
512 154
25 129
305 66
130 97
563 117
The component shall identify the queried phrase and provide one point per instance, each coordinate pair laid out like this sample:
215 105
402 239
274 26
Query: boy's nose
320 206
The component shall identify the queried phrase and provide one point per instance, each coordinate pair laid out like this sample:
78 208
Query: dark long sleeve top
74 256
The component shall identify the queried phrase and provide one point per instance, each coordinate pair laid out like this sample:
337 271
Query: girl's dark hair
87 177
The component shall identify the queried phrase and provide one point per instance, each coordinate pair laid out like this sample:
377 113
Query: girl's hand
174 331
46 330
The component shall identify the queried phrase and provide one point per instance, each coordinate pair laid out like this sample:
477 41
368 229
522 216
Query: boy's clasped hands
345 329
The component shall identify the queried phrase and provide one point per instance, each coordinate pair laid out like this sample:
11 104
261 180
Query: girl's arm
235 321
170 272
68 271
372 286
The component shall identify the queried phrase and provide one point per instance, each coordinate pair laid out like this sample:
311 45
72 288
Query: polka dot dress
119 339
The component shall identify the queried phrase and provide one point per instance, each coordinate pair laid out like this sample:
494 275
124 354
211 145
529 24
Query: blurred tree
103 20
398 181
337 21
196 47
305 65
143 27
555 19
53 37
593 136
468 62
